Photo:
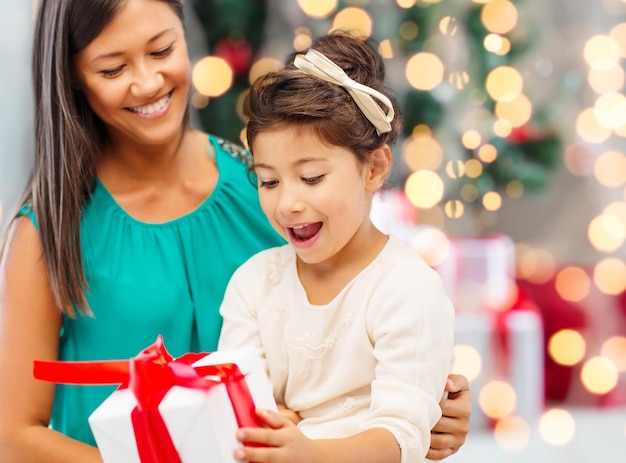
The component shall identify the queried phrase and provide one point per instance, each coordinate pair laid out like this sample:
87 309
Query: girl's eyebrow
119 53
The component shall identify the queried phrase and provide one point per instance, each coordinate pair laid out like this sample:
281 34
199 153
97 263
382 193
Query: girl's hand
450 432
280 442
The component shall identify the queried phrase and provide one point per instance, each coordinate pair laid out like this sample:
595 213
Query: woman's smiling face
136 73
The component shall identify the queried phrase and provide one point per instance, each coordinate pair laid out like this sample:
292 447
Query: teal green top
150 279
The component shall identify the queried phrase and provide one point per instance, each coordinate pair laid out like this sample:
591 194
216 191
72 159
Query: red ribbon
149 376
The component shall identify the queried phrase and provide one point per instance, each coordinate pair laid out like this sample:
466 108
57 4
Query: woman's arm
29 329
450 432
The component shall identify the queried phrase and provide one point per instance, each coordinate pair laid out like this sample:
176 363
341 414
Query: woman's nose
147 81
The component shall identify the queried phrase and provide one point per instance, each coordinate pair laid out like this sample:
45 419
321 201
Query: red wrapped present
166 410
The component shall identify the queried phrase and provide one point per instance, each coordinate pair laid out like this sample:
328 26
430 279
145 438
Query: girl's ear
378 168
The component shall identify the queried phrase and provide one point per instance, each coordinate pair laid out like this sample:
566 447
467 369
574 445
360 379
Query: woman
131 227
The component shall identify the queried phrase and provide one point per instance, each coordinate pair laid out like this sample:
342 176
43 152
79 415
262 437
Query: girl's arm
284 442
30 324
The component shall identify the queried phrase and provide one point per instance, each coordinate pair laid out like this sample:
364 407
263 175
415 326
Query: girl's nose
289 201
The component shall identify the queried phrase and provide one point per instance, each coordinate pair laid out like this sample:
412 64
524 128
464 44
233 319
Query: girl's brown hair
68 139
290 96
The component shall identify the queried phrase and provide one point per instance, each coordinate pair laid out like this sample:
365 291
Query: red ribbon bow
149 376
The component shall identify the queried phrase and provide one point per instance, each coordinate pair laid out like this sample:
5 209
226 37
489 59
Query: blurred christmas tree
494 137
234 32
467 115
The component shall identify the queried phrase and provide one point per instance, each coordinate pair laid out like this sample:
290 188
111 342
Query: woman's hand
289 414
450 432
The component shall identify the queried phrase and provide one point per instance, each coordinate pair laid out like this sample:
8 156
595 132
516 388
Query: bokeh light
432 244
502 128
408 30
353 19
492 201
262 67
487 153
424 71
609 276
567 347
589 128
618 33
504 83
497 399
536 265
512 433
572 284
422 151
406 3
454 209
473 168
318 8
514 189
212 76
467 362
579 160
516 111
448 25
302 39
499 16
385 48
557 427
455 169
198 100
471 139
601 52
469 193
610 168
458 79
499 293
605 233
614 349
599 375
606 80
610 110
424 188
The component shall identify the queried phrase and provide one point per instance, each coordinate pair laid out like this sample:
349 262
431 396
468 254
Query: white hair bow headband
318 65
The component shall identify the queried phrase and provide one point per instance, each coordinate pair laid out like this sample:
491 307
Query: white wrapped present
184 410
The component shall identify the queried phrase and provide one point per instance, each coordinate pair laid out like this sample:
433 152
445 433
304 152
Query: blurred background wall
16 108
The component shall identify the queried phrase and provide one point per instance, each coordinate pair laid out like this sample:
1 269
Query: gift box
167 410
478 273
510 347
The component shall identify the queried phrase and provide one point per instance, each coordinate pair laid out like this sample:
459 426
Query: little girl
354 328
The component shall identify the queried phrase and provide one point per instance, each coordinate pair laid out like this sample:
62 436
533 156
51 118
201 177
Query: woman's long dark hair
68 138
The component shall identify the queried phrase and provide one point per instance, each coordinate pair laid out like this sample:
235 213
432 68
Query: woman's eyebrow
119 53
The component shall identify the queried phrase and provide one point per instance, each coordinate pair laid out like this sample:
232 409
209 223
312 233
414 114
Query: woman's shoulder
28 212
22 237
226 149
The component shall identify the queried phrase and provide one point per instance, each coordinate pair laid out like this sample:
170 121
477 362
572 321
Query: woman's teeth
152 107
